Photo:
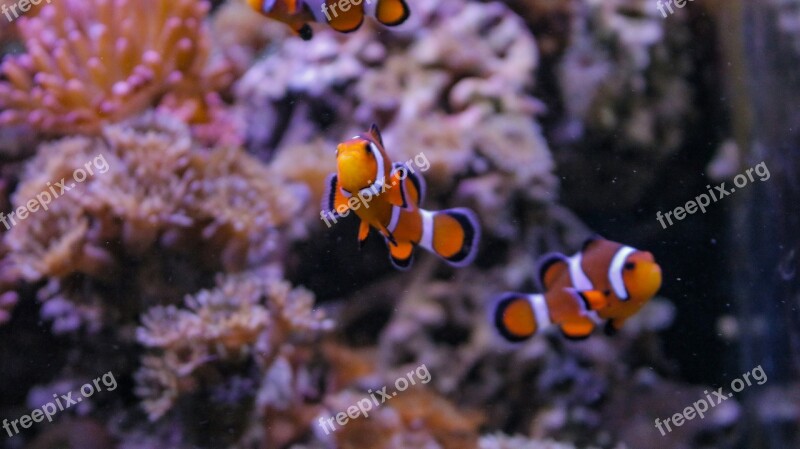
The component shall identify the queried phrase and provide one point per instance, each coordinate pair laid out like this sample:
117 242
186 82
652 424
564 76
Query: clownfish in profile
604 284
388 197
342 15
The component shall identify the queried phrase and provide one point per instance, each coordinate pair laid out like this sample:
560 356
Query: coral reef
142 206
248 318
192 262
94 62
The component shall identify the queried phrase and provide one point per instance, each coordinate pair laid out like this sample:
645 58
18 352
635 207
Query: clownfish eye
629 266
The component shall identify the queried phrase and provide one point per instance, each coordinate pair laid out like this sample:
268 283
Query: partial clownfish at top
342 15
388 197
604 284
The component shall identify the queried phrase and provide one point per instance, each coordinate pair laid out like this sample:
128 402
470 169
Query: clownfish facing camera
342 15
605 283
388 197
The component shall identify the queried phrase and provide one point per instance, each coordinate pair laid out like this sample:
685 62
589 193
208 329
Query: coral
624 83
143 205
99 61
517 442
252 315
416 418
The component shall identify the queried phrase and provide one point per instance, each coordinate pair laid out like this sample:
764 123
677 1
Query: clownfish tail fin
392 12
514 317
452 234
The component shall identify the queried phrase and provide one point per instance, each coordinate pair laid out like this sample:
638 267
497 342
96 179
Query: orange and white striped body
342 15
603 284
388 196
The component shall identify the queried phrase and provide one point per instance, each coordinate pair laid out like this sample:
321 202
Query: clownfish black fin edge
472 236
497 308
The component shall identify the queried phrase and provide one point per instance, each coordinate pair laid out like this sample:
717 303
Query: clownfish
342 15
388 197
604 284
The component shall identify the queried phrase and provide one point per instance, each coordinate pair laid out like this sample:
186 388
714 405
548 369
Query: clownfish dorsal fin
549 268
590 242
375 132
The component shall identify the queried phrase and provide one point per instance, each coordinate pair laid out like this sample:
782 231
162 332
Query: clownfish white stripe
615 271
376 186
540 311
395 219
426 241
579 279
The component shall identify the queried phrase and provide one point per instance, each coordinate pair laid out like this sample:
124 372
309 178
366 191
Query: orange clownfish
605 283
342 15
388 197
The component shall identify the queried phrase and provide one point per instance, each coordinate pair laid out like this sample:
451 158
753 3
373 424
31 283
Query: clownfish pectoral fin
346 21
392 12
395 194
363 233
550 267
514 317
333 200
412 185
452 234
402 255
578 329
592 299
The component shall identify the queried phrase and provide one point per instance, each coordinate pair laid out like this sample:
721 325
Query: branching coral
99 61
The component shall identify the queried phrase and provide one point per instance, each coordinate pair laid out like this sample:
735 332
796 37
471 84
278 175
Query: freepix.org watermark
702 201
367 195
51 409
23 5
699 408
45 197
343 6
363 406
667 4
